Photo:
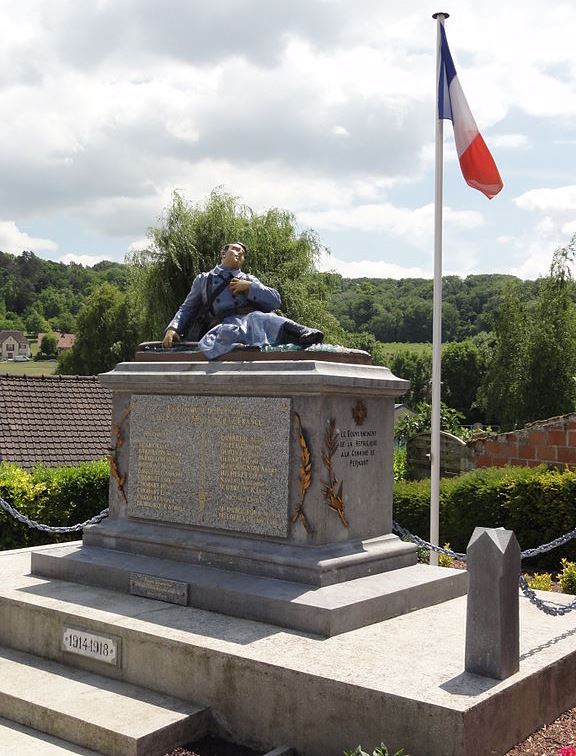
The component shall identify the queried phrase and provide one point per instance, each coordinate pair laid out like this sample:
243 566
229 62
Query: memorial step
326 611
95 712
23 741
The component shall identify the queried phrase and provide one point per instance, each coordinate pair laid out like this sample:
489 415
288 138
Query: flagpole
437 313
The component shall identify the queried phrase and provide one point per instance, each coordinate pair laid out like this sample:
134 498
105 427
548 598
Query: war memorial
247 581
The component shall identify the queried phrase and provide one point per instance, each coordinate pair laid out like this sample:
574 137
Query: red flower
567 751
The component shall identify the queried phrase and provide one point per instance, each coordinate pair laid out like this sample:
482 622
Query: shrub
538 504
539 581
567 577
52 496
399 464
445 560
380 750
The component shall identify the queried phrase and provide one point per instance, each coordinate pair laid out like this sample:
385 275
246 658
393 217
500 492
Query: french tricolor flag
477 163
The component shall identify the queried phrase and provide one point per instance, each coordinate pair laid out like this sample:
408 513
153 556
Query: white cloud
383 269
510 141
371 269
559 200
13 240
139 245
319 108
86 260
414 226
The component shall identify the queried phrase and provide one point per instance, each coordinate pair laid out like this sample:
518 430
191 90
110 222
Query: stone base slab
325 611
313 565
399 681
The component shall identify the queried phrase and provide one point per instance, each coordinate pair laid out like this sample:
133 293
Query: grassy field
8 367
394 347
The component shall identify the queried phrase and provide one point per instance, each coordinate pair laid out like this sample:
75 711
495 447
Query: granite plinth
272 471
325 611
314 565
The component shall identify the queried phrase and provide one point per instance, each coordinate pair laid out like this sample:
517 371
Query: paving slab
401 681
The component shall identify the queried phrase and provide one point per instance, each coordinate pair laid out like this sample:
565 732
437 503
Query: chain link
546 607
560 541
526 554
425 544
51 528
553 609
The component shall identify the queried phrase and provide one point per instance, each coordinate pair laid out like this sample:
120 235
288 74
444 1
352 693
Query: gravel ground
550 739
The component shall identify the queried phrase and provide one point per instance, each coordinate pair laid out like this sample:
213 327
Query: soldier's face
233 256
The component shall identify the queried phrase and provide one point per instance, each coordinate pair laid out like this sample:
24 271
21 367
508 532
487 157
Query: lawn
394 347
46 367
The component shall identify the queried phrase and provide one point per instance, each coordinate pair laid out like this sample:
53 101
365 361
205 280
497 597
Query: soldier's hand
169 337
239 286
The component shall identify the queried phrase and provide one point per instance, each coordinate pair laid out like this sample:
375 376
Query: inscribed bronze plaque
162 589
219 462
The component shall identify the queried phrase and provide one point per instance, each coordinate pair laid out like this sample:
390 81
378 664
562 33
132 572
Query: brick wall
552 441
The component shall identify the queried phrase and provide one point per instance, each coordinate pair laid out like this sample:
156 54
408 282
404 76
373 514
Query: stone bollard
492 618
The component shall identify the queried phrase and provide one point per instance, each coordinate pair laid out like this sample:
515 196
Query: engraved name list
210 461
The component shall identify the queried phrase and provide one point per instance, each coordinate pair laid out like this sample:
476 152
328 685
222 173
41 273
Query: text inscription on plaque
220 462
100 647
162 589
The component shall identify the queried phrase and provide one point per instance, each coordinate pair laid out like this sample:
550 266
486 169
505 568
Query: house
54 420
13 344
64 341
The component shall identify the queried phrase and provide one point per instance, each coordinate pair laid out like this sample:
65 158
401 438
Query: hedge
537 503
53 496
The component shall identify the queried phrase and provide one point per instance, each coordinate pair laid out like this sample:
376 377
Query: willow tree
533 374
188 240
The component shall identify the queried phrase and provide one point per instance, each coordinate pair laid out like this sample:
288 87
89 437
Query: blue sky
321 107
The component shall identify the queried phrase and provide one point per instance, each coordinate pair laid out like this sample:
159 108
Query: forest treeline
400 310
509 353
37 295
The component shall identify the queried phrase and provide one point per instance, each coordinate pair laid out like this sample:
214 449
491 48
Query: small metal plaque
104 648
162 589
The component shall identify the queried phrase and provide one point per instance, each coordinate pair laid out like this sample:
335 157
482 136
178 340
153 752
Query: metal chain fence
556 610
546 607
51 528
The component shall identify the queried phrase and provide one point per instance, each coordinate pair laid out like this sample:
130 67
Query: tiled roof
63 340
18 335
53 420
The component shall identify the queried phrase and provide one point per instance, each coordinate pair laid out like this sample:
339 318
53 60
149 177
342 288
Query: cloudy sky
322 107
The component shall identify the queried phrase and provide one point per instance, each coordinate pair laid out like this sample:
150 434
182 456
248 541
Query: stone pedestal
492 616
272 479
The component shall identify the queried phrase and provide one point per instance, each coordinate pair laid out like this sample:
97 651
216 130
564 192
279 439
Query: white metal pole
437 314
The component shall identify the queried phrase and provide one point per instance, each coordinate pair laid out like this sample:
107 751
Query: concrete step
19 740
107 716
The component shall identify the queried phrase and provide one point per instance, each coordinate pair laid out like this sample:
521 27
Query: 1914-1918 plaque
218 462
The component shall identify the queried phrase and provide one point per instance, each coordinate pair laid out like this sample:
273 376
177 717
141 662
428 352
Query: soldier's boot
294 333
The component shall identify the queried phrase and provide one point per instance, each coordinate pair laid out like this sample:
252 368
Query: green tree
107 333
533 374
502 395
464 367
551 385
48 344
411 425
189 239
415 367
35 322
